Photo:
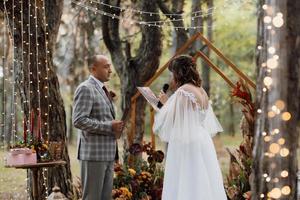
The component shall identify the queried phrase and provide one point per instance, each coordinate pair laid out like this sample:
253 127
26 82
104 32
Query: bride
187 123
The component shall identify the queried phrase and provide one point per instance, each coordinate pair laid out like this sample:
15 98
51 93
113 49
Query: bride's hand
163 97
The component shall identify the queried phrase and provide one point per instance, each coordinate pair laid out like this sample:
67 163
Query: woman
187 123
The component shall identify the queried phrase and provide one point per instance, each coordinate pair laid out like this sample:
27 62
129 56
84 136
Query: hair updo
185 71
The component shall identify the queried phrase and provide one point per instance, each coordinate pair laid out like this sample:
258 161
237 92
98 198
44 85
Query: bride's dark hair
185 71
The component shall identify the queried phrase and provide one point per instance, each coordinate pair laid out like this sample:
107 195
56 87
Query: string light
284 173
286 116
22 67
4 75
29 69
195 14
278 20
267 19
13 107
268 81
46 88
145 23
272 63
37 69
12 78
45 25
274 141
271 50
45 171
281 141
20 62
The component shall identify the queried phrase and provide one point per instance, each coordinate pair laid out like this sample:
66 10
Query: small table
34 168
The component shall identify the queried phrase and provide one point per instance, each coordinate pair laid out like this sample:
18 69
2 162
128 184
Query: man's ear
92 68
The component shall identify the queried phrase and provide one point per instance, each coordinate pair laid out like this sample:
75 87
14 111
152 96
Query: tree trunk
181 35
30 54
134 70
205 68
275 160
196 20
7 90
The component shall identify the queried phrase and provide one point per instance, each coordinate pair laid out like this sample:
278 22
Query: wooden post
132 120
151 125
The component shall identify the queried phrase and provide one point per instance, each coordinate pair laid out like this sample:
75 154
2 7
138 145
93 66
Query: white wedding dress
187 123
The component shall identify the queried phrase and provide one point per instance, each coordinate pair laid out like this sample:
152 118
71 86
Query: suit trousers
97 179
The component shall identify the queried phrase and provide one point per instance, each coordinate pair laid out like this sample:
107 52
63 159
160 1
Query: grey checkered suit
93 113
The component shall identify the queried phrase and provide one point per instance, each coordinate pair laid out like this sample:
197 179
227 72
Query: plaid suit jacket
93 113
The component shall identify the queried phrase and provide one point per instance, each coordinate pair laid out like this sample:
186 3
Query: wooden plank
132 121
151 125
38 165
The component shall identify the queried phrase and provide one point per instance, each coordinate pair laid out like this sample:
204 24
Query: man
94 114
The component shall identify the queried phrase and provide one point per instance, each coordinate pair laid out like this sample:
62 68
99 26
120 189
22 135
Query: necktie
106 92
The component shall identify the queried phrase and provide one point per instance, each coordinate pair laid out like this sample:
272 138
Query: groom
94 115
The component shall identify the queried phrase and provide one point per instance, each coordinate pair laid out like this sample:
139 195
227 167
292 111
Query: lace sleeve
174 120
211 123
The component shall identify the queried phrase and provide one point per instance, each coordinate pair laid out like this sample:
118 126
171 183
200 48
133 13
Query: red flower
135 149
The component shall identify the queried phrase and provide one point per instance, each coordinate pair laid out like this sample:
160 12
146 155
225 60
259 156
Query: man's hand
117 127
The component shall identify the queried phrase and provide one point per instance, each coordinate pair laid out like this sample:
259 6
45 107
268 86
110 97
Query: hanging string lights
276 114
160 23
30 28
93 6
46 79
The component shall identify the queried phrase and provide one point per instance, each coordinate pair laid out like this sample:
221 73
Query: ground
13 181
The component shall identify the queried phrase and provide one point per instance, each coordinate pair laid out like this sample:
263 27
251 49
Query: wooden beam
132 121
151 125
227 61
214 67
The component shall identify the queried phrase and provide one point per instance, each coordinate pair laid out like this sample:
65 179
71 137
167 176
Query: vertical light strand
275 175
45 175
24 93
46 87
23 104
29 134
3 113
45 24
29 73
39 134
13 105
8 70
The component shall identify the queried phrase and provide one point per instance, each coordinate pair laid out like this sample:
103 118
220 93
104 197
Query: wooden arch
181 50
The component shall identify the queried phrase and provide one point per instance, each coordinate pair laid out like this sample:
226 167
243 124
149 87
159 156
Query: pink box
20 156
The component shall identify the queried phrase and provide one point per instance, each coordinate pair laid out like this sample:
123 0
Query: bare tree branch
110 31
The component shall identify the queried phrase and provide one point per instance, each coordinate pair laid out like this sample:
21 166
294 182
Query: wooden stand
34 168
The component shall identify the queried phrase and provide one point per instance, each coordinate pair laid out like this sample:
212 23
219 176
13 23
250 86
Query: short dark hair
185 70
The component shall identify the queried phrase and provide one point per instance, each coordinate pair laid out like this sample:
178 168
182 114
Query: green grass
13 181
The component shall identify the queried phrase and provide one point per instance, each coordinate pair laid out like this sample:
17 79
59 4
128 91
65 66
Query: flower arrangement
238 180
242 95
139 179
32 139
40 148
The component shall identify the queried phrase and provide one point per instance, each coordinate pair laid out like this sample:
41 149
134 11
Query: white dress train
192 170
